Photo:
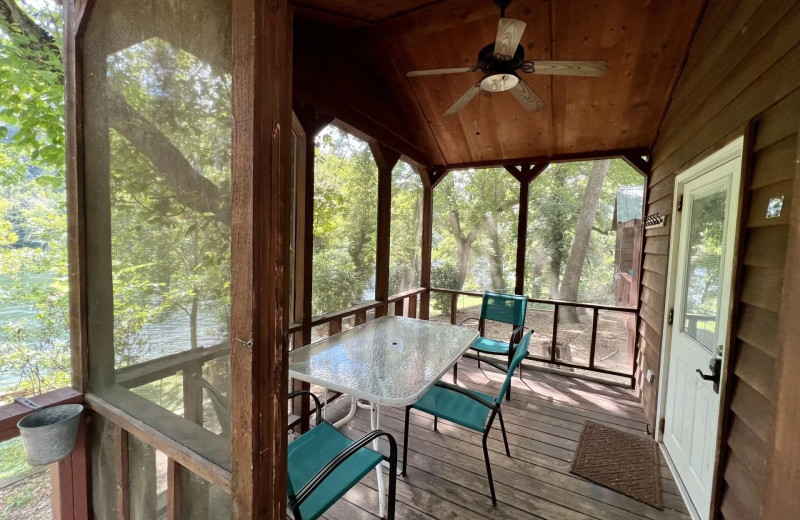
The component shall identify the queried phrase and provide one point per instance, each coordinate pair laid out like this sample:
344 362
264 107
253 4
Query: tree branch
12 14
191 187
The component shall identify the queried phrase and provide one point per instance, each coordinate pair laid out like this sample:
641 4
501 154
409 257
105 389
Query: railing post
595 315
412 306
335 326
555 334
398 308
453 307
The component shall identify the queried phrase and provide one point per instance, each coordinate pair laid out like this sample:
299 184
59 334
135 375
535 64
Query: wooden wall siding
744 65
781 498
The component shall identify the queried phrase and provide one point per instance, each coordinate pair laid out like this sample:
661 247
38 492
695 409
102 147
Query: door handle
715 366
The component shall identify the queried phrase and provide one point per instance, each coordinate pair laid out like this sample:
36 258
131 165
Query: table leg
344 420
375 422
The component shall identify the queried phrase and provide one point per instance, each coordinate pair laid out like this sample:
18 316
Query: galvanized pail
49 434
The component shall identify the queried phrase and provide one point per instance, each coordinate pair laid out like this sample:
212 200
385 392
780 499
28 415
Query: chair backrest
504 308
519 354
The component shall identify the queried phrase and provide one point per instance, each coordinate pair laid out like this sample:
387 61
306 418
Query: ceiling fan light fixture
499 82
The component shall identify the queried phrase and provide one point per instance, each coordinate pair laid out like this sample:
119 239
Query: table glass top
390 360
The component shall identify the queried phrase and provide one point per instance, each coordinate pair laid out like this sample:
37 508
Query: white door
703 279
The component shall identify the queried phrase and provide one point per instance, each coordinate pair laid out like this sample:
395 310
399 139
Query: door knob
715 366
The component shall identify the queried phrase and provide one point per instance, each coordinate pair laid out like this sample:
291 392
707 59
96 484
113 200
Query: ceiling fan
500 61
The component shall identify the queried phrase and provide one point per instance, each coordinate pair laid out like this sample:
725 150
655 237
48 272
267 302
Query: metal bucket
49 434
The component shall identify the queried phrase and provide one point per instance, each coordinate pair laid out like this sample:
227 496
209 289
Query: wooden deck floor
446 473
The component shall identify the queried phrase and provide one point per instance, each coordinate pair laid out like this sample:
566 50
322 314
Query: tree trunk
580 242
496 257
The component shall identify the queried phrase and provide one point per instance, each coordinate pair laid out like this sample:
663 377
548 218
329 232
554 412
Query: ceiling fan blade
437 72
529 99
509 33
463 100
566 68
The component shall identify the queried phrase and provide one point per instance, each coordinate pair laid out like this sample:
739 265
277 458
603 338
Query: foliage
475 216
345 221
443 276
170 250
406 229
554 204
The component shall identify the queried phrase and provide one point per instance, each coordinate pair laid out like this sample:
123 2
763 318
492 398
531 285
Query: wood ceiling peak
644 45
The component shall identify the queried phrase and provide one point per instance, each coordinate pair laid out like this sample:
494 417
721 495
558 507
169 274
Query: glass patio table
389 361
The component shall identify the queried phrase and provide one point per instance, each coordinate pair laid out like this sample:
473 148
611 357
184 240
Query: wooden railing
403 304
69 478
629 313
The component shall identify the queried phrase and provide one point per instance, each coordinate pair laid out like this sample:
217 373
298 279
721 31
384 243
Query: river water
165 337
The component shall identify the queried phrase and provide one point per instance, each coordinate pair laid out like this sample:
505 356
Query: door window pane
703 267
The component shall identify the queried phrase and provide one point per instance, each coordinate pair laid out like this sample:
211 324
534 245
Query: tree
473 212
169 169
580 240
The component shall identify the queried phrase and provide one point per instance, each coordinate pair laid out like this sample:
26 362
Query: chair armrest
317 404
337 461
468 393
467 319
516 331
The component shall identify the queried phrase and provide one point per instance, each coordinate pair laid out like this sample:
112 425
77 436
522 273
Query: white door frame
731 151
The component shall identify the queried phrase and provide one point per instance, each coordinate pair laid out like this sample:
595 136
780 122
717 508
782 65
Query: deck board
446 474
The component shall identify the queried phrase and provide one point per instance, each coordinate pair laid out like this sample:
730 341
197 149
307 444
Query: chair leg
503 429
405 441
488 467
435 423
479 359
455 374
393 474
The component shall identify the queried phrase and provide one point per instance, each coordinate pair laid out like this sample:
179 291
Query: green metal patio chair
469 408
502 308
323 464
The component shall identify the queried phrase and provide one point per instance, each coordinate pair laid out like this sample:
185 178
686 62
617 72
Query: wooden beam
123 495
781 498
261 165
638 163
581 156
386 159
522 226
76 14
70 480
437 176
173 490
427 245
515 171
174 448
10 414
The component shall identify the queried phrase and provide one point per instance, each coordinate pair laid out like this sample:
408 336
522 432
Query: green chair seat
490 346
311 452
455 407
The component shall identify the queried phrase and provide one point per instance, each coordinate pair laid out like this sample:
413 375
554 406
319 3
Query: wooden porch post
385 158
525 175
70 478
427 242
312 123
261 176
